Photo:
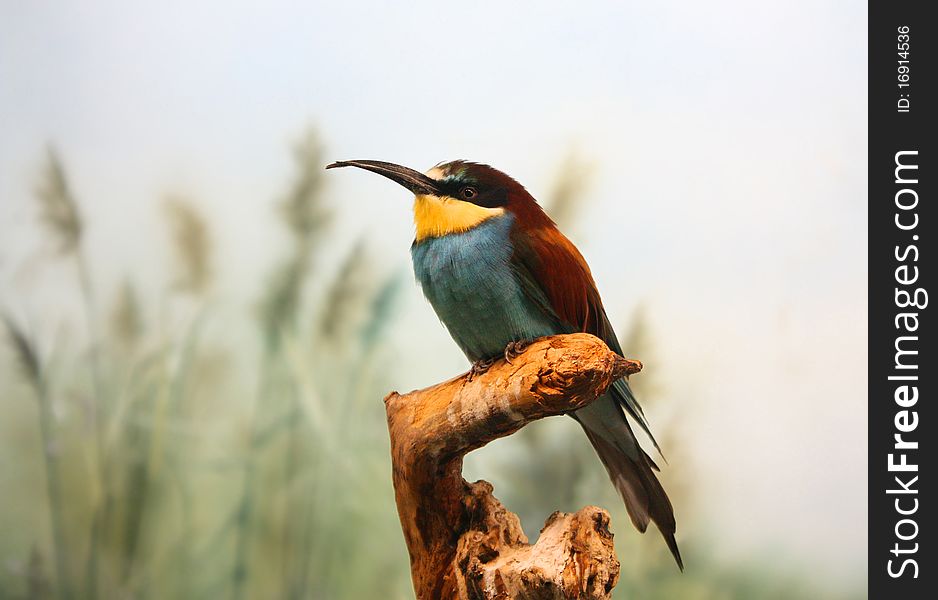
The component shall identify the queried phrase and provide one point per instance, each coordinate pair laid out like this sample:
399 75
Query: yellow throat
437 216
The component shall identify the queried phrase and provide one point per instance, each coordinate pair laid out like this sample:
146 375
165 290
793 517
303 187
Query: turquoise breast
469 281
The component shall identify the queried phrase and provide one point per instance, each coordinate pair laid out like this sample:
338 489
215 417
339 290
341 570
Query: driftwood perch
463 543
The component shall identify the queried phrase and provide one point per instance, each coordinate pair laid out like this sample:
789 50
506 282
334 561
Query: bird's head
452 197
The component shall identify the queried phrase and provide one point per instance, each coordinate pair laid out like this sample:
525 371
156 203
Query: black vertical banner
903 375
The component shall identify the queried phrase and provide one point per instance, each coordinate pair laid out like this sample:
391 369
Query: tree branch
462 542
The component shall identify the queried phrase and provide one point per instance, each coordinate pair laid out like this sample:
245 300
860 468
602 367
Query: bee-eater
499 274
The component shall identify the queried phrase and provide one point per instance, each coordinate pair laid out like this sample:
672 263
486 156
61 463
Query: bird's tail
630 468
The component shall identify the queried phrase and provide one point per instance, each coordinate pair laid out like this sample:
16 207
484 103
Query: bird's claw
512 350
515 349
480 367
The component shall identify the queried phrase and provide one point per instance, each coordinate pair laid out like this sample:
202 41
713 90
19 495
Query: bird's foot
515 349
480 367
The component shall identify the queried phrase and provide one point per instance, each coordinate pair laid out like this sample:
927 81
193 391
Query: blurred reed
60 215
163 512
126 318
192 244
30 365
58 209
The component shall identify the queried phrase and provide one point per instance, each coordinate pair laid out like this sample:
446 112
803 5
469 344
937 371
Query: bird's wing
555 275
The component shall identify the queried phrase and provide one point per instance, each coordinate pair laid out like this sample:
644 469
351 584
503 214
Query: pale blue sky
729 146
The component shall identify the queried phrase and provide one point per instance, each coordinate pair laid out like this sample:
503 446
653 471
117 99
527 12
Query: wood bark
463 543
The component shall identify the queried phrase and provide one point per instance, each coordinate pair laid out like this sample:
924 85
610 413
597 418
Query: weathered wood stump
463 543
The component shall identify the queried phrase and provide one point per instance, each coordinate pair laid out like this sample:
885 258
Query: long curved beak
416 182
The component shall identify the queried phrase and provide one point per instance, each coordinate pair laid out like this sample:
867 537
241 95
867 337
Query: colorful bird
499 274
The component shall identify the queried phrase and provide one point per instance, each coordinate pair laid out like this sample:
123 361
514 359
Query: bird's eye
468 193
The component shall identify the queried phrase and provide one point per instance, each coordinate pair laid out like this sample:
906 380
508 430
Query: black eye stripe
481 194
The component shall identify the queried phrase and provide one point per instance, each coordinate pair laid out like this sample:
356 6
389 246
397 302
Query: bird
499 274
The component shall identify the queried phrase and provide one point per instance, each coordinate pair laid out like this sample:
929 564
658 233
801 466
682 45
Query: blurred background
200 323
